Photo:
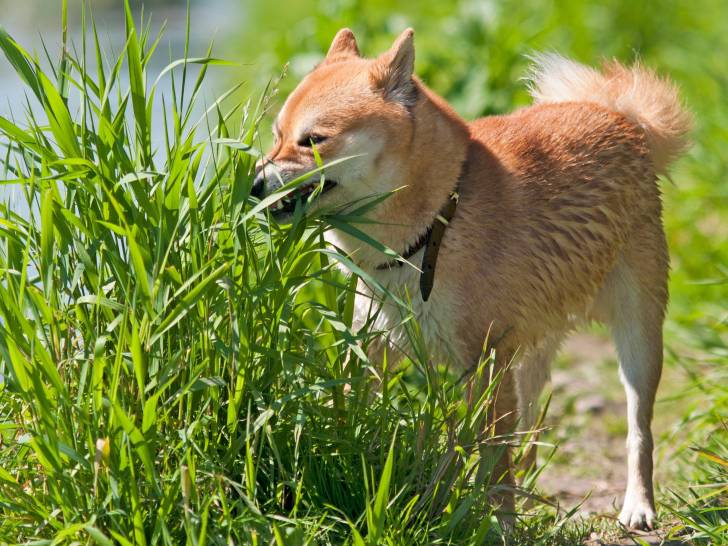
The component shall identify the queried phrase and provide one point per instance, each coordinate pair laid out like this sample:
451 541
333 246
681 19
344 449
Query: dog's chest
435 321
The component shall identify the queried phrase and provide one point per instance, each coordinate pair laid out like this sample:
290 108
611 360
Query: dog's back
566 186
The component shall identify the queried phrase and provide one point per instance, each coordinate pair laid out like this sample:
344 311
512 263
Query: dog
525 225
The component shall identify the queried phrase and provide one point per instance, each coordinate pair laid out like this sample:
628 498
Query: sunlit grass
701 508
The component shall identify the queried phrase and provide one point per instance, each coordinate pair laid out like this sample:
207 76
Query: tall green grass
702 508
176 367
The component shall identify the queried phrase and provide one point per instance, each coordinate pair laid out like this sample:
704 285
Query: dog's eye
309 140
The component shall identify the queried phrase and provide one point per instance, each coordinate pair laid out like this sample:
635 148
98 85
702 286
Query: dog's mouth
287 204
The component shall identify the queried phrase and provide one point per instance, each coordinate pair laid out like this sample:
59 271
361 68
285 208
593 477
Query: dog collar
430 241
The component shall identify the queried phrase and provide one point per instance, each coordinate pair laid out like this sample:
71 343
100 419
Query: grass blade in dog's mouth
287 204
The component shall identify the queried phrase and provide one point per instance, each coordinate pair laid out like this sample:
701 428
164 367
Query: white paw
638 514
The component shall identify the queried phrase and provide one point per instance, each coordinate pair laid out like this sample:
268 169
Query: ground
587 419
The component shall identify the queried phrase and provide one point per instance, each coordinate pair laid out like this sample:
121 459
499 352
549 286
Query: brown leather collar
431 241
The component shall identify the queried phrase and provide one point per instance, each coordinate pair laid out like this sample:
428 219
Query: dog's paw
638 514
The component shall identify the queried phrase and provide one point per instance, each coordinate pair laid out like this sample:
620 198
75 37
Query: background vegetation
175 367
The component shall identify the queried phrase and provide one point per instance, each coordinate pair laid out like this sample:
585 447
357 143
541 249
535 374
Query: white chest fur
432 323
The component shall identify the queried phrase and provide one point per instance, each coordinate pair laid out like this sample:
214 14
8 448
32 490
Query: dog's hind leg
633 302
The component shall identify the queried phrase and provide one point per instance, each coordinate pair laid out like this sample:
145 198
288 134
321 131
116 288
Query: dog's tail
637 92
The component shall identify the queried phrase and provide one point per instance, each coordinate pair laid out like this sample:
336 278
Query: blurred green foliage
474 53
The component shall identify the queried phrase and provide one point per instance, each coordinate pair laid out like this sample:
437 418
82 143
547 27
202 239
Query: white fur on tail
636 91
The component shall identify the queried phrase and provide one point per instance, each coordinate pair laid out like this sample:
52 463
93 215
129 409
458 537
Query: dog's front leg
501 422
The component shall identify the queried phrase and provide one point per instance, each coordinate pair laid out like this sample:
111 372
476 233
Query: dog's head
347 106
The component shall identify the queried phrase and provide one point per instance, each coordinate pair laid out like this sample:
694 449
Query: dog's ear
392 71
343 46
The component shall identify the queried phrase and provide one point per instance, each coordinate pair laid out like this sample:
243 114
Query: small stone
592 404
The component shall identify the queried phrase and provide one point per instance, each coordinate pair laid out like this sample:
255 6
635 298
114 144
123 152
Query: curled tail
636 92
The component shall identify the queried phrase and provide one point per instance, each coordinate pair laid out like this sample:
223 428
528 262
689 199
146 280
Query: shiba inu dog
525 224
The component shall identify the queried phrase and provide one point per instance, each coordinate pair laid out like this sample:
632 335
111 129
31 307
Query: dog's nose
258 185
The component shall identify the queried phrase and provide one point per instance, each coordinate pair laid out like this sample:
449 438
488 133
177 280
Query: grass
177 368
702 435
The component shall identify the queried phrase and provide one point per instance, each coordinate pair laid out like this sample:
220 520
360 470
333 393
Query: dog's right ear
343 46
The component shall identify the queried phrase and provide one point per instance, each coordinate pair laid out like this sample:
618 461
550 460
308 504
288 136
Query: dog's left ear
343 46
392 71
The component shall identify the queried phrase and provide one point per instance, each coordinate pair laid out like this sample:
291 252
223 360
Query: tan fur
637 92
559 219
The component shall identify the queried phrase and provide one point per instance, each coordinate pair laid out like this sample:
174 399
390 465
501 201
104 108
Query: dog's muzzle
269 179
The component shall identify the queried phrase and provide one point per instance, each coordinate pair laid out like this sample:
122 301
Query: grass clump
178 368
701 509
